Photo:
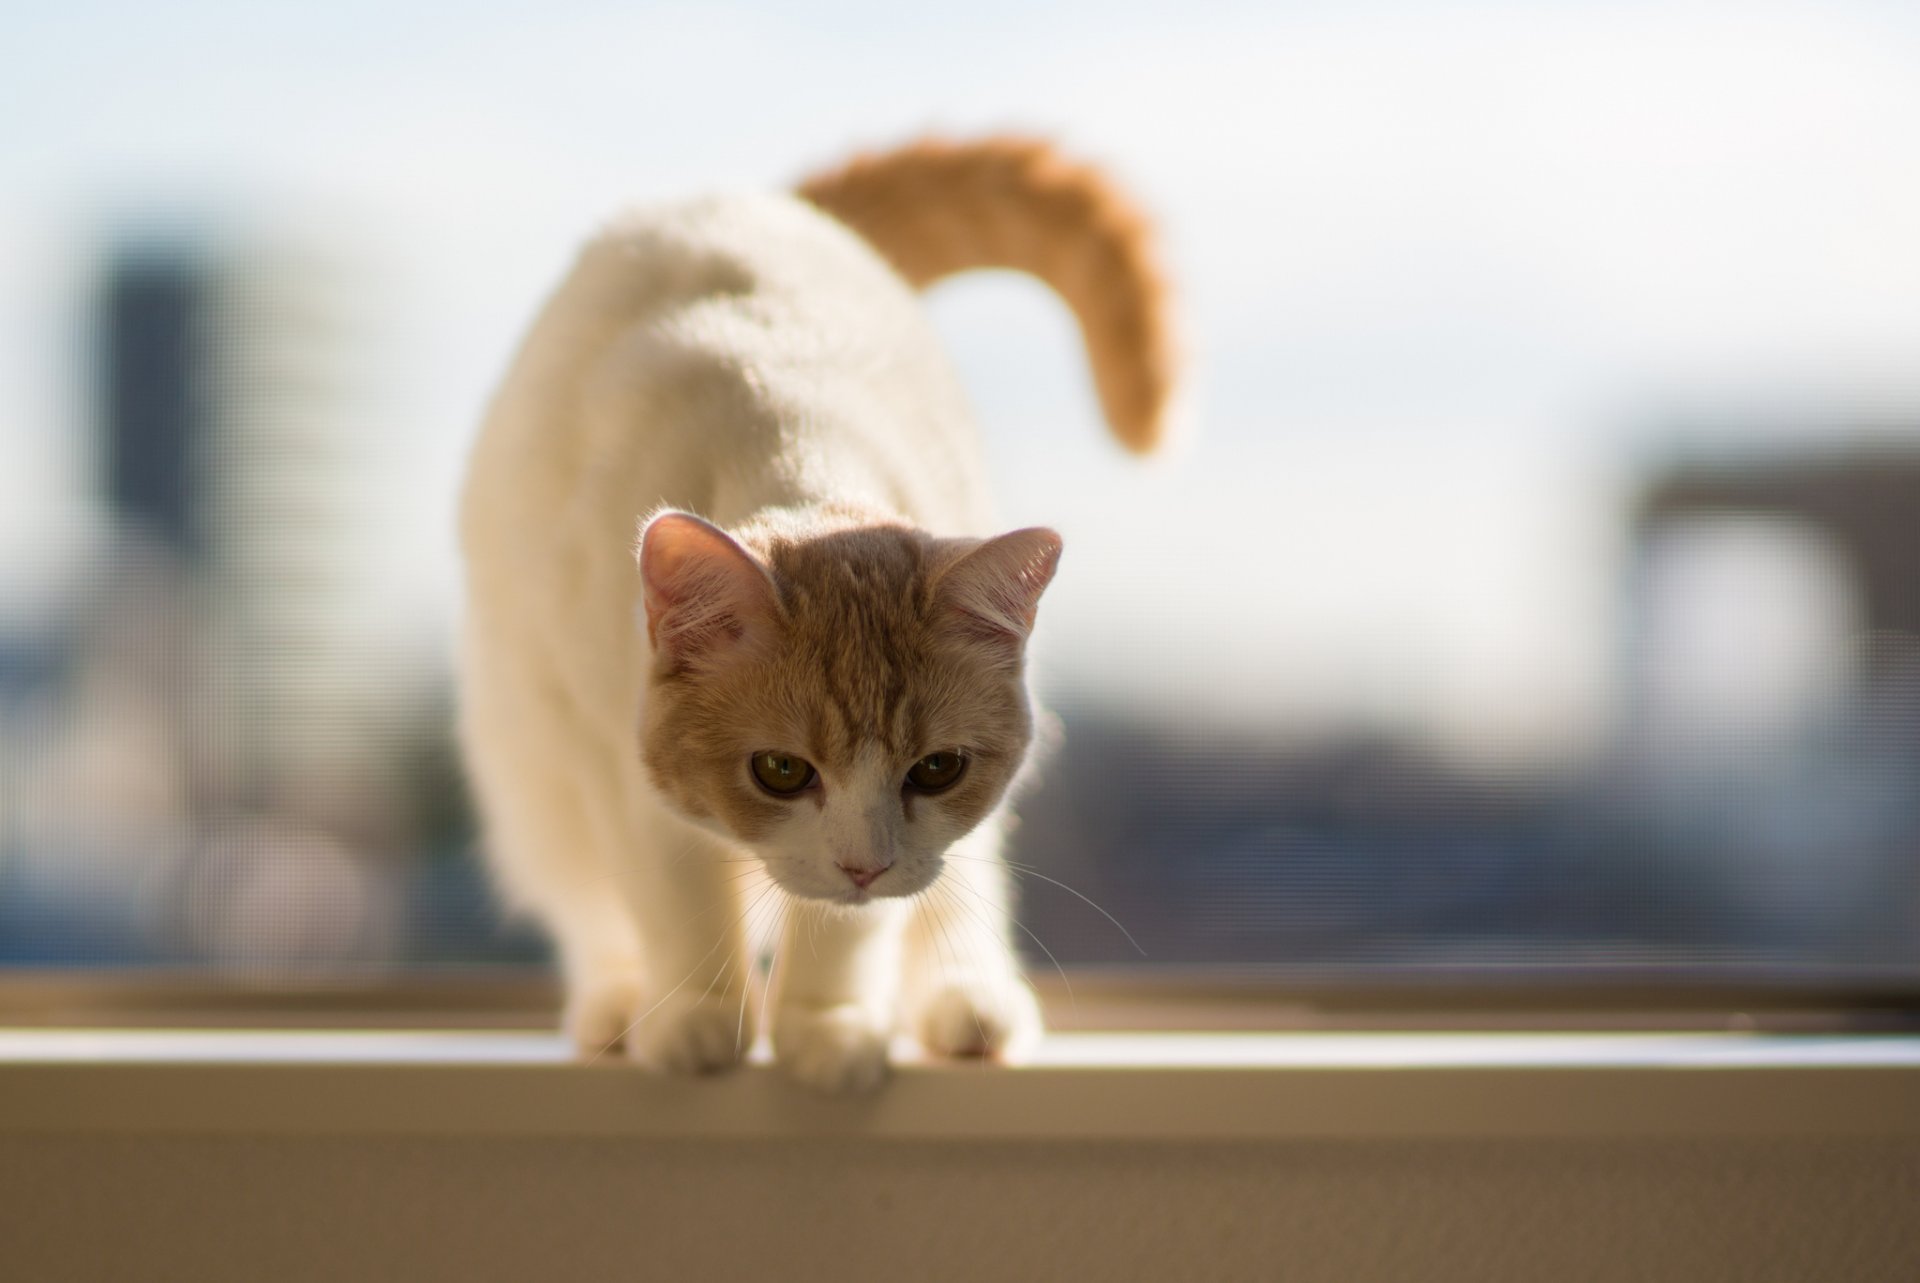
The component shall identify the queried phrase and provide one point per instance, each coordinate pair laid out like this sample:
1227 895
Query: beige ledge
1135 1086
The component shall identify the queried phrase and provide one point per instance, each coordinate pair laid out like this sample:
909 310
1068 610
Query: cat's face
845 702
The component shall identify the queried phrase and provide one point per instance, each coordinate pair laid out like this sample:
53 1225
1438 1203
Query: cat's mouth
894 886
898 884
855 896
833 884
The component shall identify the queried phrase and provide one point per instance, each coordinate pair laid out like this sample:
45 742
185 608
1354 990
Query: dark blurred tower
150 354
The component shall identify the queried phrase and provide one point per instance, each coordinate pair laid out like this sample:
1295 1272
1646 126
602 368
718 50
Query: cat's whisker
753 966
983 920
735 883
931 911
766 990
726 970
686 849
620 1037
973 961
766 905
1015 920
733 962
1027 870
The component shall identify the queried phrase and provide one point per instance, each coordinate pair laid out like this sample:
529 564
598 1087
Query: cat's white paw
598 1013
692 1035
842 1050
973 1017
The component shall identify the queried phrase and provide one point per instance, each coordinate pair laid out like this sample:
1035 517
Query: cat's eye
782 774
937 771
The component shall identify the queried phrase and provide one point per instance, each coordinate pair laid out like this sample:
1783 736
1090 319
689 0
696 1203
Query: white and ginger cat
817 680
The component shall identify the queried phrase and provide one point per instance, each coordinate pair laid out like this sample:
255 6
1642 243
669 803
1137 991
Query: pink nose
860 877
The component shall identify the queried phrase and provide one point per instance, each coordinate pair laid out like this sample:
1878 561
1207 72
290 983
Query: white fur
723 356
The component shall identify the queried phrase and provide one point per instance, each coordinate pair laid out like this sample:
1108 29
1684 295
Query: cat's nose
860 877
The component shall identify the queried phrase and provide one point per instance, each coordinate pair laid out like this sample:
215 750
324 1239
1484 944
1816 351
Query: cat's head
843 698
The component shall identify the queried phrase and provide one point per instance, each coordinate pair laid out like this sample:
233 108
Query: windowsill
1132 1086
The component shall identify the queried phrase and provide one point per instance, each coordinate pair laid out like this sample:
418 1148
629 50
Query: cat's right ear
707 598
994 589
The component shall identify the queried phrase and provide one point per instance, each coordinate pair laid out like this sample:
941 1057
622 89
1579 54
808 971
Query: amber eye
937 771
782 774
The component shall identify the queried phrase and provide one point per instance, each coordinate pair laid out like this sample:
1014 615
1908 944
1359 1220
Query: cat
808 700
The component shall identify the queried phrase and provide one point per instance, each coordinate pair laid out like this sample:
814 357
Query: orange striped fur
933 208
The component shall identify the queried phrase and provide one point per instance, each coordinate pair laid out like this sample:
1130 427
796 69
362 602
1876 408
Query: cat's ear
994 590
706 596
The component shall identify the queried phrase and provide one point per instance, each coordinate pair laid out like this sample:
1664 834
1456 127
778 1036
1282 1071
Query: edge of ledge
1138 1087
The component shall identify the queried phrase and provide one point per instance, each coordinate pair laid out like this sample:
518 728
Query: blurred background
1537 593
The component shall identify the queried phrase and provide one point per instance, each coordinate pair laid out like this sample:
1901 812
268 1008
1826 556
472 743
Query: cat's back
767 250
709 352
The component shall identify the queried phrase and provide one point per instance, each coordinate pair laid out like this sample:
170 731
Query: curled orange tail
933 208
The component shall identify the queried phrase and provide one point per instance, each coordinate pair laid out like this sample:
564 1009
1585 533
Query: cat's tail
934 208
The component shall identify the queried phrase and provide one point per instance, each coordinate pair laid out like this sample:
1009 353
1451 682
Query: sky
1451 274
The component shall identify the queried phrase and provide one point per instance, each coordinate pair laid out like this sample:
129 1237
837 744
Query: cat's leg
965 995
642 907
836 990
543 851
682 890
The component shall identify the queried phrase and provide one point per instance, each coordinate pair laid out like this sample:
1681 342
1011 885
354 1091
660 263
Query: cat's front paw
841 1050
692 1035
998 1019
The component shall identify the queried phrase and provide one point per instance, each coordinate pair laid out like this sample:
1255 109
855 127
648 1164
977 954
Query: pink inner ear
704 592
998 584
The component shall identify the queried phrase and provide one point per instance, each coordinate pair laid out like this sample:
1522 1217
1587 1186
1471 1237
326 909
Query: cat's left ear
706 596
994 590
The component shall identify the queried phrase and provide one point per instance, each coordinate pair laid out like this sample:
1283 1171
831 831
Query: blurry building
222 381
1769 593
1772 657
224 768
1867 502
